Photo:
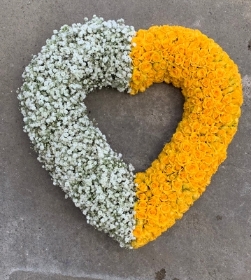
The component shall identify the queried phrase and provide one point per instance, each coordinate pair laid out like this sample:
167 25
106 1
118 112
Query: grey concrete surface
28 275
42 235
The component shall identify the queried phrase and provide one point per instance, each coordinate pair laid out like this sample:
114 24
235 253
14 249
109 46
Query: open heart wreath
133 209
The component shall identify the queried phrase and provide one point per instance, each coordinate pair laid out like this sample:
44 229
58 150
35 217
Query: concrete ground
43 236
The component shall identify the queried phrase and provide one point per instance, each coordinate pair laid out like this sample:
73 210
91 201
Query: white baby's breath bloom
75 61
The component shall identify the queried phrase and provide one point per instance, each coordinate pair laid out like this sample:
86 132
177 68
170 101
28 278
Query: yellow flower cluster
211 85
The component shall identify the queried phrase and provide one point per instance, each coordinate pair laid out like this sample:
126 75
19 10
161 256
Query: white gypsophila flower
75 61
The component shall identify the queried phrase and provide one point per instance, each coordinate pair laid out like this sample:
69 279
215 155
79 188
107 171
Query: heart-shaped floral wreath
133 209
